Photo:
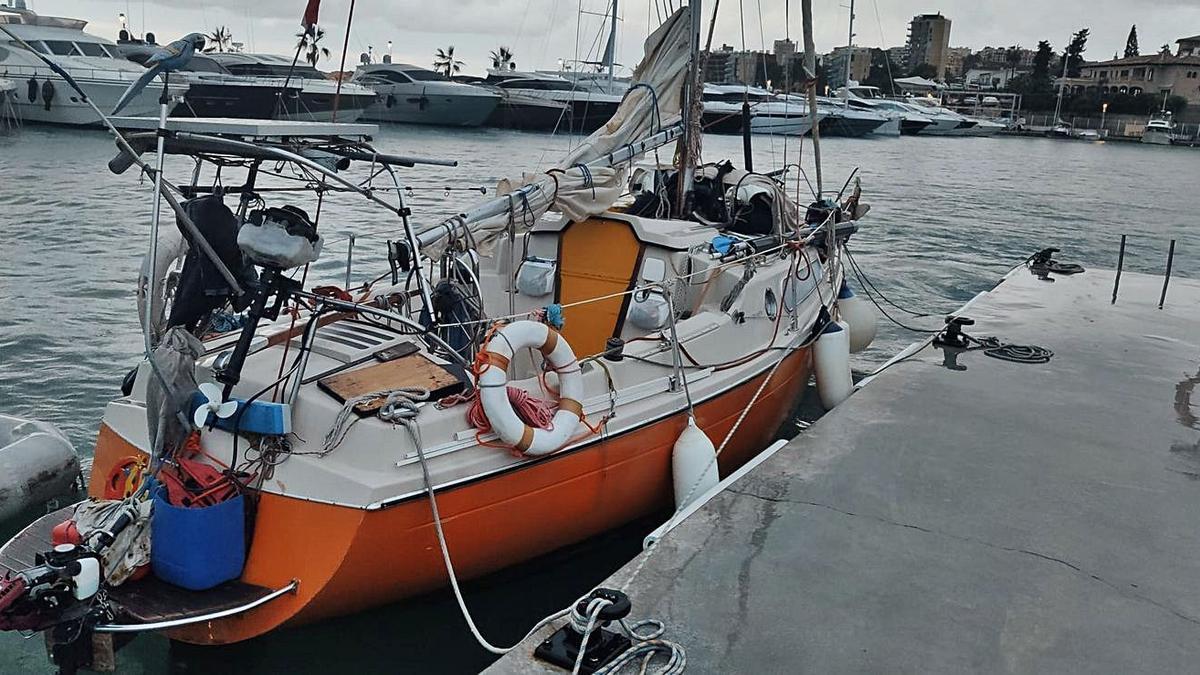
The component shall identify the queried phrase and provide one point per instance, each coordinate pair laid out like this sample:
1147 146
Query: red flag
310 14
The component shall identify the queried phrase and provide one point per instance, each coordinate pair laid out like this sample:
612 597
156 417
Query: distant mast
849 53
612 44
1062 82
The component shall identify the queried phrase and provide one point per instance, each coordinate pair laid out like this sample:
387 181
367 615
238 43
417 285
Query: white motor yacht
588 109
1160 130
864 97
945 122
414 95
93 62
770 113
314 100
213 91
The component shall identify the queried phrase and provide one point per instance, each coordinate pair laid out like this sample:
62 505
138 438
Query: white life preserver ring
493 387
172 247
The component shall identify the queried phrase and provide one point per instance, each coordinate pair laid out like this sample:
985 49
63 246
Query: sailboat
505 391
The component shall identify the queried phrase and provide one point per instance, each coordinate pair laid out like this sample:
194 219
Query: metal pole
337 94
1120 264
747 150
349 261
849 54
810 64
691 130
612 45
1167 277
163 108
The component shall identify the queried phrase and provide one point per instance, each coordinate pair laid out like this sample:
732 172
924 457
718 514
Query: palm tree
445 63
219 40
1012 57
502 59
308 42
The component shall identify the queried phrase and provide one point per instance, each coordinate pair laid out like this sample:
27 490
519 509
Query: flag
310 14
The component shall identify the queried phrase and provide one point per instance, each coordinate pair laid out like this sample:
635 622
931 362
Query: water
949 217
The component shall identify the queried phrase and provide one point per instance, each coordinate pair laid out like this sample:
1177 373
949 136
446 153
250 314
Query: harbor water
949 216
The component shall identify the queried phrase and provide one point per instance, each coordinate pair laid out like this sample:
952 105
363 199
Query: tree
445 63
219 40
1074 52
1040 78
309 44
880 75
502 59
1165 50
1131 45
1012 56
924 70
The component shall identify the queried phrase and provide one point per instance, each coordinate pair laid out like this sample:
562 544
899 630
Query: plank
150 599
415 370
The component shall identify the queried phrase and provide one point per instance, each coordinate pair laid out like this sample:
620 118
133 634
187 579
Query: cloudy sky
541 32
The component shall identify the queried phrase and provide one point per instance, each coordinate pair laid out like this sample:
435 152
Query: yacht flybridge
501 392
91 61
415 95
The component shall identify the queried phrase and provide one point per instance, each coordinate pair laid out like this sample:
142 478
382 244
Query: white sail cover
652 103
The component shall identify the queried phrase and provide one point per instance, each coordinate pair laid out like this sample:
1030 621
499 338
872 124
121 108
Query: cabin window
63 48
92 49
424 75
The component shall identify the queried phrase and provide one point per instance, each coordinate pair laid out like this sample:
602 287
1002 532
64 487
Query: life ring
171 248
126 477
493 387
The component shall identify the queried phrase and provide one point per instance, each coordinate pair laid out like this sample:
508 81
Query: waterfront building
929 42
860 65
1175 74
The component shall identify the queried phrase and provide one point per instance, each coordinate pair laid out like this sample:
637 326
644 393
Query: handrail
199 618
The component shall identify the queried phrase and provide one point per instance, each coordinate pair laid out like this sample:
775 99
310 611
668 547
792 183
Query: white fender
831 364
171 247
862 317
493 387
693 465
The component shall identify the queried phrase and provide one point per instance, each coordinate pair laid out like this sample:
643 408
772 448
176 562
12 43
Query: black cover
201 287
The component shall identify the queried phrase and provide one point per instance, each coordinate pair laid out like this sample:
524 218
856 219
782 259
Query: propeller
212 405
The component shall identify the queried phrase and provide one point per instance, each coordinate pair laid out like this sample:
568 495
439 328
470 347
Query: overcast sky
540 32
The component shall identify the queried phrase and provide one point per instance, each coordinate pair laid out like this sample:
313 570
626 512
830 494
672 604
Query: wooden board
150 599
416 370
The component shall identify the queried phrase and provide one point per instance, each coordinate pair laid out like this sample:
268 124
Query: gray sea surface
949 217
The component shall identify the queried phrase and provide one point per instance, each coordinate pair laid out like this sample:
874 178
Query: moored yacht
314 100
870 98
43 95
840 120
588 109
945 122
415 95
213 91
1160 130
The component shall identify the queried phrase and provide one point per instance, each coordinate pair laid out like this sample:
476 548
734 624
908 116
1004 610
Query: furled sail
578 190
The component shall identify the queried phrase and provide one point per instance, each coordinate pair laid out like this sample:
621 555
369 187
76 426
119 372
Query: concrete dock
962 513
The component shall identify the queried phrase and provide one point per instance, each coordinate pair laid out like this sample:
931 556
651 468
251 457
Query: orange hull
349 559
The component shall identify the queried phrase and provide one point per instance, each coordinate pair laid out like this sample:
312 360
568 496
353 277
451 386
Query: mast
1061 83
610 50
849 53
691 115
810 64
